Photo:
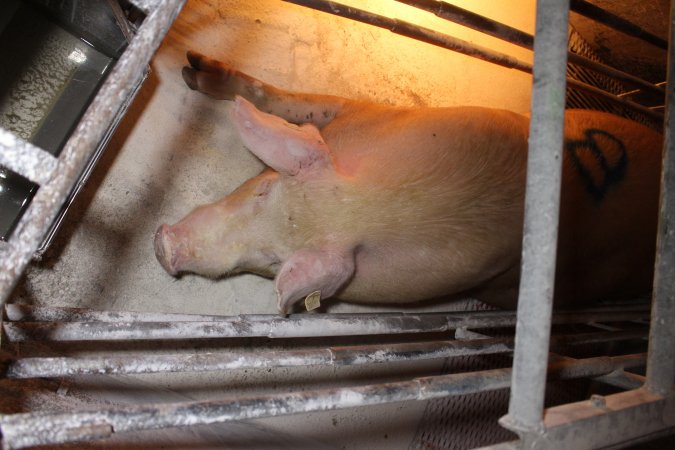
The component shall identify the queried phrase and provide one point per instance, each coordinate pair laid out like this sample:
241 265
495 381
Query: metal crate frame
645 409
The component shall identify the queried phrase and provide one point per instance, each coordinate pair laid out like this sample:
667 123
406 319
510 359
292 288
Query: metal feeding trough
57 54
75 69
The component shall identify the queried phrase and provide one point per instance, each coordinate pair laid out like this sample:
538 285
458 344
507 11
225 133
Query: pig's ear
287 148
307 271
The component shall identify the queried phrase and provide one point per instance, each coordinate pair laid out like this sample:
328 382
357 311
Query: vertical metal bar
540 233
661 362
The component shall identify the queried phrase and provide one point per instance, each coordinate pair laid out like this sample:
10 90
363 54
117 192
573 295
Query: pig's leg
216 79
307 271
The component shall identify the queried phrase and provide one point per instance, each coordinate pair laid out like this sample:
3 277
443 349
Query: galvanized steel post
661 362
542 199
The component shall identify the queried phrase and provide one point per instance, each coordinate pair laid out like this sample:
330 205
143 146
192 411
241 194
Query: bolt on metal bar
43 428
40 367
47 202
542 201
517 37
26 159
300 325
661 367
618 23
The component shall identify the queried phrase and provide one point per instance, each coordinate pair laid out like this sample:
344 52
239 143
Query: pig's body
400 205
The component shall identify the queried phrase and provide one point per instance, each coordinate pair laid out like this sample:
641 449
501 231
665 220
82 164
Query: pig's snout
164 249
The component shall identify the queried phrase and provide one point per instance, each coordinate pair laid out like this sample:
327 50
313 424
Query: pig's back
434 195
609 208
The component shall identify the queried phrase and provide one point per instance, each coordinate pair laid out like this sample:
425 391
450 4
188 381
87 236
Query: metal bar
661 368
606 421
542 201
474 21
25 159
517 37
230 360
15 312
611 423
616 74
622 380
416 32
33 313
43 428
618 23
319 325
464 47
47 202
576 84
233 360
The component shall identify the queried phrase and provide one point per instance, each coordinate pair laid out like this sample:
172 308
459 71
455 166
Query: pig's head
248 230
226 236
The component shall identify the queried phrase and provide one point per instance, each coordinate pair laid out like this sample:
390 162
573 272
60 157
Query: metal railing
22 328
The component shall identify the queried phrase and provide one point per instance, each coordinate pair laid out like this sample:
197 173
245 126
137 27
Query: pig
370 203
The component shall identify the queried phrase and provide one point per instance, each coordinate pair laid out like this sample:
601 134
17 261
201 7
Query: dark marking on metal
610 154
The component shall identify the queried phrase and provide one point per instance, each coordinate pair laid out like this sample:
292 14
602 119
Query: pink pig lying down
376 204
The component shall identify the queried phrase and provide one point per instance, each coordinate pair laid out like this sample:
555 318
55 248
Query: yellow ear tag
313 300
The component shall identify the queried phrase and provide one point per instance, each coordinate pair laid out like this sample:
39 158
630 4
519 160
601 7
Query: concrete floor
176 149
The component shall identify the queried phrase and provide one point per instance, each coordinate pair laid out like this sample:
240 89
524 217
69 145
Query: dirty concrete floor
175 149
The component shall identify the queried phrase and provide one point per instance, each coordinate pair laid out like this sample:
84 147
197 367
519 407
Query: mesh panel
582 100
470 421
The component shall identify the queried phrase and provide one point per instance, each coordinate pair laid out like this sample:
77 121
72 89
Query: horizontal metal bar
570 368
605 421
576 84
229 360
517 37
618 23
622 380
448 42
474 21
301 325
26 159
31 313
49 199
575 58
416 32
43 428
